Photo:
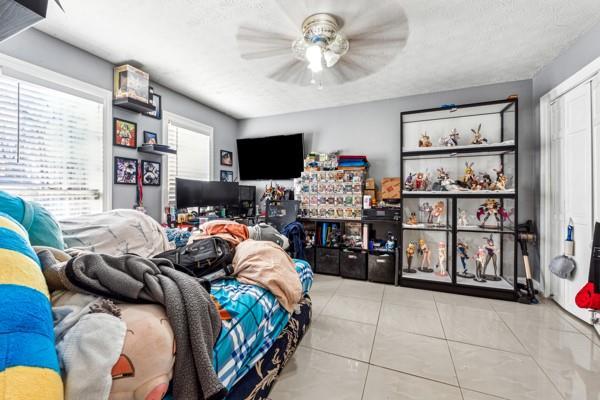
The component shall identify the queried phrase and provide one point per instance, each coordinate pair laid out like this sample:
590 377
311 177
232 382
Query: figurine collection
452 139
420 181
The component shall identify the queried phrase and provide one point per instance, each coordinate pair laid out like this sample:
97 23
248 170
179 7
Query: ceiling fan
324 43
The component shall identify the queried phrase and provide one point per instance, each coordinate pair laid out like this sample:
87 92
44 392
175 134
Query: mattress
257 319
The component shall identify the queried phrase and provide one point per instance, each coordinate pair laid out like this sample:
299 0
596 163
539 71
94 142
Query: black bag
202 257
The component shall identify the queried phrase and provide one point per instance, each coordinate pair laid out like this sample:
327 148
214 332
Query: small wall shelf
152 149
134 105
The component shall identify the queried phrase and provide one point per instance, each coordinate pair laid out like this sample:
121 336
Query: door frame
585 74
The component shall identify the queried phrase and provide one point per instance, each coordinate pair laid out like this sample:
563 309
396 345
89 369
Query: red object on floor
588 297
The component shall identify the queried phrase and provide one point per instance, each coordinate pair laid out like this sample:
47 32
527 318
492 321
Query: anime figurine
409 182
436 213
412 220
486 181
451 140
501 180
477 137
442 176
441 260
426 211
425 254
470 181
490 208
390 245
421 181
410 252
425 140
491 255
479 260
461 248
463 220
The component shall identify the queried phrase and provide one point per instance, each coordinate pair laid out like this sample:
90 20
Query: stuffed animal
145 368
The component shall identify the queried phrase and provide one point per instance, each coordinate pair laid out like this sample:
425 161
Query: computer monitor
194 193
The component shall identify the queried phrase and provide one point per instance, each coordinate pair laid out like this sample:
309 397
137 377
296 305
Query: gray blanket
192 314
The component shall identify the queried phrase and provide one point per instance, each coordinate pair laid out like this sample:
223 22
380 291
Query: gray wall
43 50
373 129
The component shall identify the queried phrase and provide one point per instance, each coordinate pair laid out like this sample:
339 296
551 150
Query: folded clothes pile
352 163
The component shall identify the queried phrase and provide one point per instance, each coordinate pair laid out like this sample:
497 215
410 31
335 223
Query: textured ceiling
191 47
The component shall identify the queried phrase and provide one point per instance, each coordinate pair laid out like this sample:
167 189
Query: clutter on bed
116 232
29 367
194 318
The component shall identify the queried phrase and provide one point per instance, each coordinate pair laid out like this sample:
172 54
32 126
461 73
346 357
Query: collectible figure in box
479 260
131 82
425 254
461 248
441 265
357 201
492 208
339 212
339 200
491 255
477 137
451 140
425 140
410 252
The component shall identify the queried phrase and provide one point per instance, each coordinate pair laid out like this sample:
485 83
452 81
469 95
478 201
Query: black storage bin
328 261
309 256
381 268
353 264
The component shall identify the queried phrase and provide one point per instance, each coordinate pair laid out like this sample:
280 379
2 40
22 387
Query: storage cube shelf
491 240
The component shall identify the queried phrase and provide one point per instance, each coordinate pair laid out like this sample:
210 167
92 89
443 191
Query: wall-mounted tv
272 157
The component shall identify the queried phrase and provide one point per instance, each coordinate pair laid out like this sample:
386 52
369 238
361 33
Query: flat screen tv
272 157
194 193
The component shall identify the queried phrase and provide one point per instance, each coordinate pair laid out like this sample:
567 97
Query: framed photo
150 138
226 176
226 158
126 170
150 173
124 133
157 102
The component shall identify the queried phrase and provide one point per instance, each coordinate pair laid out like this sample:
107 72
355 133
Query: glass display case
459 198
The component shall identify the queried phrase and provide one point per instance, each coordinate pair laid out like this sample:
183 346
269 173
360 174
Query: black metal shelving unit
508 114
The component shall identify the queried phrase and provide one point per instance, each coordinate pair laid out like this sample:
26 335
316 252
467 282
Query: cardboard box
390 188
370 192
370 184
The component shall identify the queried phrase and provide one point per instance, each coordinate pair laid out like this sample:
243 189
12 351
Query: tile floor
377 342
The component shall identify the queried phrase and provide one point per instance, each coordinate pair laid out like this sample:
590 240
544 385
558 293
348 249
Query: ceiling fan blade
257 44
290 71
257 55
253 35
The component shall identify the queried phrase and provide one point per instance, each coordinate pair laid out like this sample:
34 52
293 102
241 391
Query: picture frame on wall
150 137
124 133
125 171
157 102
150 173
226 158
226 176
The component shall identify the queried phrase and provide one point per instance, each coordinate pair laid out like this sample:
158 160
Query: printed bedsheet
257 319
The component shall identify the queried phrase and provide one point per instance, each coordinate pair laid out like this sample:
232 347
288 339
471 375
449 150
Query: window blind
51 148
192 160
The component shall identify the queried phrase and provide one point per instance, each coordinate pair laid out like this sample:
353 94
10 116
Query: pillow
41 226
29 367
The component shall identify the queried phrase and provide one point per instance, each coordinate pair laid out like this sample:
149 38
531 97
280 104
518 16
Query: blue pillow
41 226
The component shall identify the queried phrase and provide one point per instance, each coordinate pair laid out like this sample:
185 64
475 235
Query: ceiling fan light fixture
314 56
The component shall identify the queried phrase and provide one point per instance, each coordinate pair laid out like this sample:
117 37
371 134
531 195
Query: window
193 160
51 147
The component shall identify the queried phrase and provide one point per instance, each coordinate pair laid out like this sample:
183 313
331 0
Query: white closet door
578 186
596 144
557 203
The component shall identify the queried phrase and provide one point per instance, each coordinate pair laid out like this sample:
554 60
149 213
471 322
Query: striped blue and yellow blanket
29 367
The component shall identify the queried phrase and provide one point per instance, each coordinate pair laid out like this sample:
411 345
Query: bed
260 336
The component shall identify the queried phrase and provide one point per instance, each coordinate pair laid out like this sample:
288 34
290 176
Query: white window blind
192 160
51 148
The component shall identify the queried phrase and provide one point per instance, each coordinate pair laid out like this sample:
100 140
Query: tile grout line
373 343
532 357
448 346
